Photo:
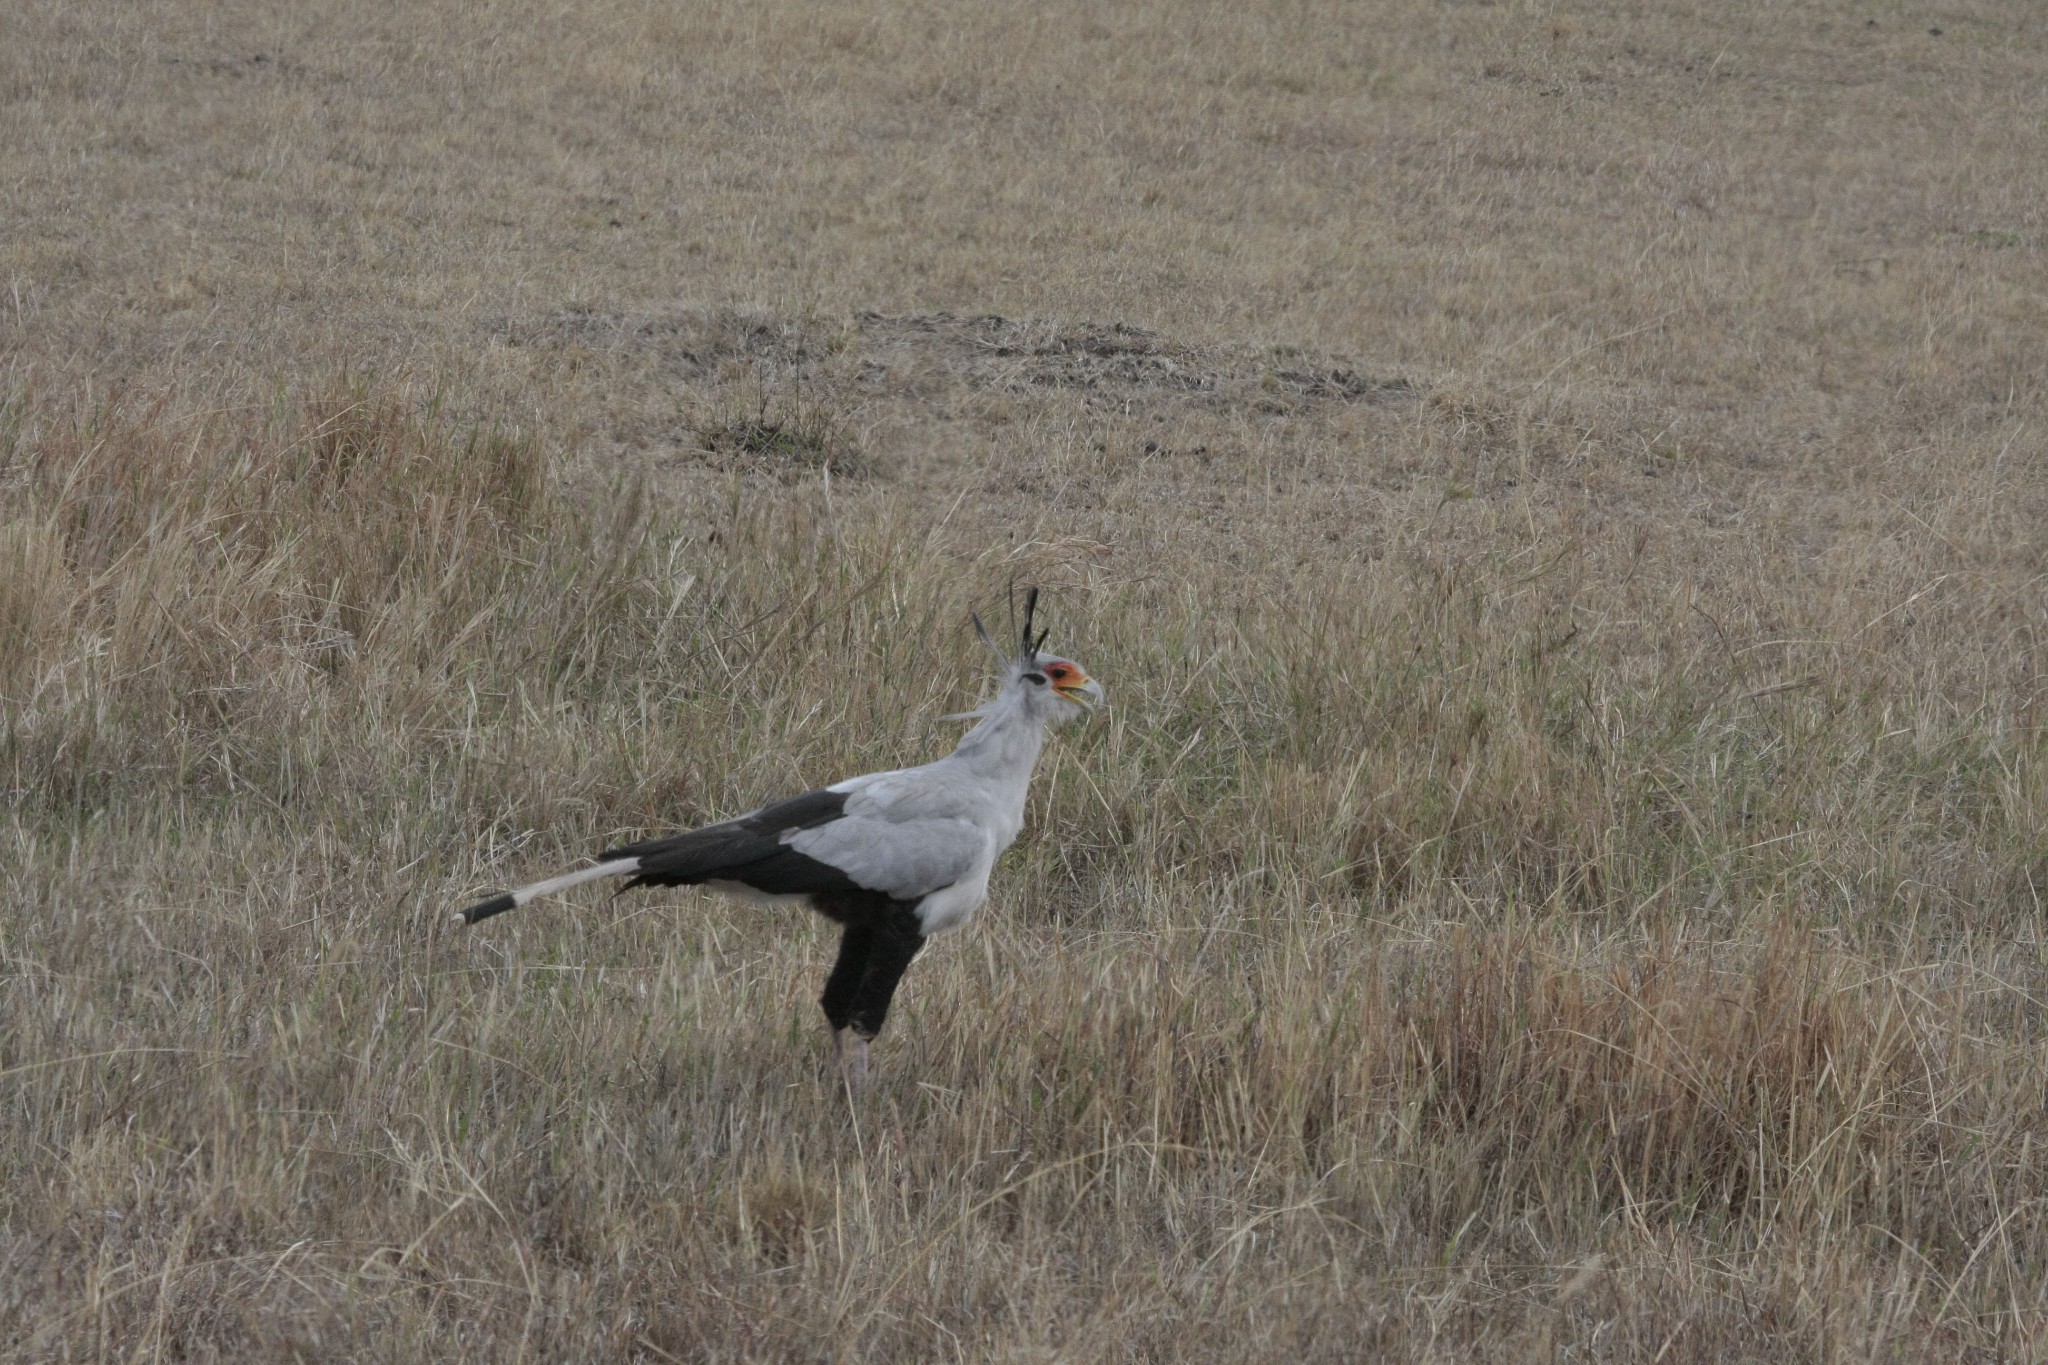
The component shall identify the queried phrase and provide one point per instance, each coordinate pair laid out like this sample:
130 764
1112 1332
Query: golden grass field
1556 495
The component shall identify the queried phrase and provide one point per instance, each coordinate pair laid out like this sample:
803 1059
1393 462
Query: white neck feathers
1007 741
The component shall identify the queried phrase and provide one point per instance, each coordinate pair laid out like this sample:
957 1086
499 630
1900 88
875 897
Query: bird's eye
1035 679
1058 670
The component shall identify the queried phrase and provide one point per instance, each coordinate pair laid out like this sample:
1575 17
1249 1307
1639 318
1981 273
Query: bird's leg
855 943
897 941
873 951
853 1059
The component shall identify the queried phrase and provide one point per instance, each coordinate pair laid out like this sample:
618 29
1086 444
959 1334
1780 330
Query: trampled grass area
1556 498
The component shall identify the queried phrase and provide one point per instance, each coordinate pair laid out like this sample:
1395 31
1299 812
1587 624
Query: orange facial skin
1067 678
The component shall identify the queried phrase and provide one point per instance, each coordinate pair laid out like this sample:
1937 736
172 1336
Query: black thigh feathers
876 945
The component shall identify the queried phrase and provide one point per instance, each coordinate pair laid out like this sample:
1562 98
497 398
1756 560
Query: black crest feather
1030 646
986 638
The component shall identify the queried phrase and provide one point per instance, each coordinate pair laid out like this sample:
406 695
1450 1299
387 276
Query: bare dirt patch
936 365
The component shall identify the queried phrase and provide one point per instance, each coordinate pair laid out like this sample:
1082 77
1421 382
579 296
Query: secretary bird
893 857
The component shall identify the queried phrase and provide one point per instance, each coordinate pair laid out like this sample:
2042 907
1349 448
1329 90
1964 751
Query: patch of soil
687 343
782 398
1117 360
1120 359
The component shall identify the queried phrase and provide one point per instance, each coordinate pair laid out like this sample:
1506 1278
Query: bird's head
1045 686
1057 689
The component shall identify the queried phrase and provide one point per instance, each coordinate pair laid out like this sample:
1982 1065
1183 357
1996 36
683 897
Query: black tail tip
482 910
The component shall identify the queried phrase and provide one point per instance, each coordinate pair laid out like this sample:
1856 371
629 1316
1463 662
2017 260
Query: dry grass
1556 497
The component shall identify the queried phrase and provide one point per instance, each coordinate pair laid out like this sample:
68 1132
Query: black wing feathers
748 851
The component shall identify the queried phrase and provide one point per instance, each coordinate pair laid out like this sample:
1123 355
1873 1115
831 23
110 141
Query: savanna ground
1555 493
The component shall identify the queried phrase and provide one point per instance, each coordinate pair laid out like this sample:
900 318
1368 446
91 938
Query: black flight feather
749 851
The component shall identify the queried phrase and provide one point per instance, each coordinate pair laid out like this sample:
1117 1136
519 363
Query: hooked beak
1086 694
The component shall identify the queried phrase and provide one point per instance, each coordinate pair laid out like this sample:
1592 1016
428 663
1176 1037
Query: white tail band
618 867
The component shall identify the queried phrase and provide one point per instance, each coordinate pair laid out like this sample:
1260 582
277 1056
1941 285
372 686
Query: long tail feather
496 905
512 900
